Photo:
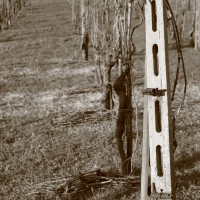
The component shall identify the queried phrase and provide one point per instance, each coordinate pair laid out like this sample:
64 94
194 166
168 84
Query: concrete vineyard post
197 25
157 169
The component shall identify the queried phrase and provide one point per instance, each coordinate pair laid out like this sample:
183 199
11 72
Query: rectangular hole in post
154 15
159 161
158 117
155 59
149 186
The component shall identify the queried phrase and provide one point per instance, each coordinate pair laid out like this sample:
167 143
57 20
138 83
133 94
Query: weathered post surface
108 102
197 25
85 36
157 168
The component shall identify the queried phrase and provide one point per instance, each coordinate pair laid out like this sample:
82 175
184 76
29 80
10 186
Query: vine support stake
157 160
197 24
129 133
84 34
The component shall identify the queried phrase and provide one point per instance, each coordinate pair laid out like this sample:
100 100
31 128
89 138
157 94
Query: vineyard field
52 122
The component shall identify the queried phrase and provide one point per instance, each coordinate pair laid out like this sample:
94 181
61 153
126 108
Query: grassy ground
48 94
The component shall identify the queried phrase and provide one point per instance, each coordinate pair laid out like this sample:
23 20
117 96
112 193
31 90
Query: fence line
8 10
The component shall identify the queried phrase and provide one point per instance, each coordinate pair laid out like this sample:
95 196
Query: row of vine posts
187 12
9 9
107 27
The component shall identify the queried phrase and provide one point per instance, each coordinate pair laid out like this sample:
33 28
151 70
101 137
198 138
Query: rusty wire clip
154 92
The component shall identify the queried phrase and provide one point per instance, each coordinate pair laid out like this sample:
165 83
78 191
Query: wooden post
197 24
184 16
119 39
129 133
82 18
73 12
176 9
109 104
84 34
119 66
158 139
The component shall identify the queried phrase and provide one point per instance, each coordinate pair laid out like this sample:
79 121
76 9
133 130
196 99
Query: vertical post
176 9
184 7
73 12
118 34
129 93
84 34
158 153
145 193
197 24
108 92
82 19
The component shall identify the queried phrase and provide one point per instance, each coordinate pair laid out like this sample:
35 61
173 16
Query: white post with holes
157 167
197 24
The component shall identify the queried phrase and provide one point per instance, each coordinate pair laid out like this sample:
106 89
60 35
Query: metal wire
180 58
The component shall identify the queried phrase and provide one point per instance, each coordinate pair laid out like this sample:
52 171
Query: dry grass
51 123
